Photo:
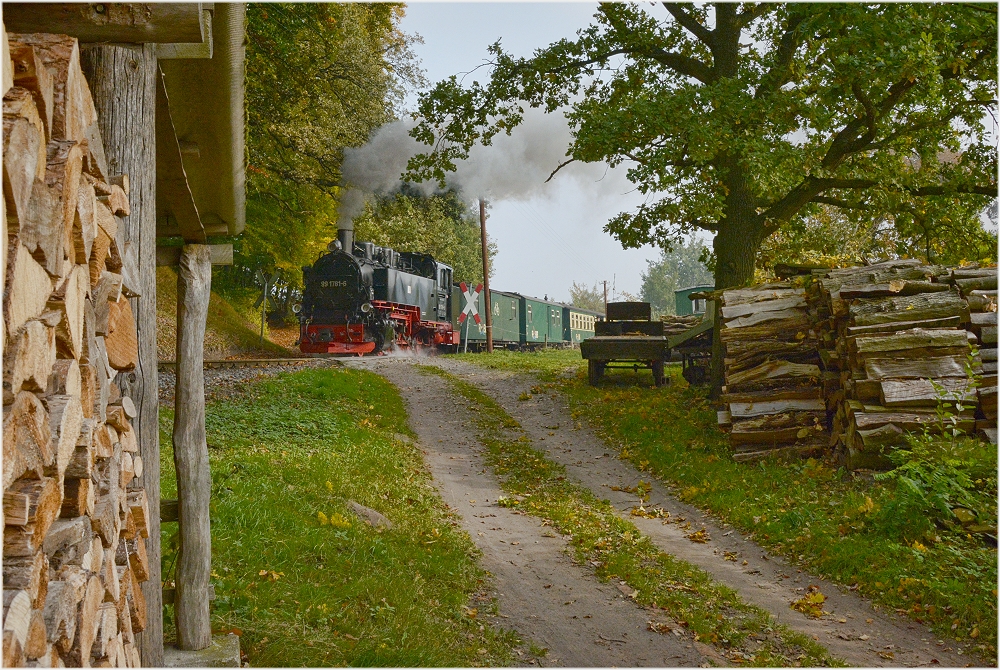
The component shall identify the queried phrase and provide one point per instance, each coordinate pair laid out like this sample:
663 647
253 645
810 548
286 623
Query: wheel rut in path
541 593
854 630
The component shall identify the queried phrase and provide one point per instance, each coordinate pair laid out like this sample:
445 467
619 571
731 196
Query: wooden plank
773 370
135 23
916 338
917 368
782 316
123 79
946 322
746 309
222 254
194 483
741 410
922 392
908 308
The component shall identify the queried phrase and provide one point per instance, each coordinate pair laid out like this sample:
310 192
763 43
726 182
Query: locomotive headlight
366 308
296 308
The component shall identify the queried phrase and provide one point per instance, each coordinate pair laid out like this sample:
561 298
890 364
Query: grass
618 551
230 330
853 531
306 593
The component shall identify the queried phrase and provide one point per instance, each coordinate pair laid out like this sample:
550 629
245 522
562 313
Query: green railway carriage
578 324
541 321
506 323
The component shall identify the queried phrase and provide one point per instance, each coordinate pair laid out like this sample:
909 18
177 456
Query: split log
910 340
137 465
129 440
31 73
27 438
898 287
29 501
29 358
26 288
786 318
136 603
922 392
112 588
65 378
63 171
759 294
107 631
772 370
60 615
17 615
927 324
99 251
108 290
69 299
65 421
105 438
971 284
37 645
988 335
748 410
88 390
13 653
121 341
919 368
26 574
88 623
139 508
84 222
78 498
116 201
908 308
66 532
23 151
907 420
749 308
117 418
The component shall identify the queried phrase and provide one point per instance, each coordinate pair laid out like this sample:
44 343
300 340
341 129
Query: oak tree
738 119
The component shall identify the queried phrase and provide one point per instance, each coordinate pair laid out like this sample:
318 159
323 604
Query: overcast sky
555 236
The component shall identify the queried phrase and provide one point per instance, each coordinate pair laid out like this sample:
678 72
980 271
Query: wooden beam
221 254
118 22
123 84
190 50
194 479
173 193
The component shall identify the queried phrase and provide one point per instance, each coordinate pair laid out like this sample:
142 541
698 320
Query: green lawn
307 593
857 532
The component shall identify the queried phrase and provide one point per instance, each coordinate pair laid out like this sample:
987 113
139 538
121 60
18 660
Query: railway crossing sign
470 303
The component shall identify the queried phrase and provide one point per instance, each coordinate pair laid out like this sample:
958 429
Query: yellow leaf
322 518
329 487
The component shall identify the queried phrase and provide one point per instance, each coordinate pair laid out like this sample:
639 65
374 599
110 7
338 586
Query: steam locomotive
360 298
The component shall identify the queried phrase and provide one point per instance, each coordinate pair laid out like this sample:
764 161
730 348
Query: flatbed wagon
627 339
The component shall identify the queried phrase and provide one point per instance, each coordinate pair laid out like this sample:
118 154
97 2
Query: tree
319 78
747 117
587 298
681 267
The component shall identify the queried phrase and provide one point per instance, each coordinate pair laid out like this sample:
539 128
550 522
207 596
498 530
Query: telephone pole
605 298
486 277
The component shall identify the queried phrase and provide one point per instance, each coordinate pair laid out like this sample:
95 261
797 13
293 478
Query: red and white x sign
470 303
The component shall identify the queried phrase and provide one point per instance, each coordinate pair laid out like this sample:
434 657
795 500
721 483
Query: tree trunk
122 79
194 481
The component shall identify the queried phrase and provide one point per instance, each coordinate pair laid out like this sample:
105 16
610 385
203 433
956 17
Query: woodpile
74 519
773 388
675 325
979 287
893 347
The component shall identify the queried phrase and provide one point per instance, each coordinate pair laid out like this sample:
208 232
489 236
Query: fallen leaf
810 604
700 536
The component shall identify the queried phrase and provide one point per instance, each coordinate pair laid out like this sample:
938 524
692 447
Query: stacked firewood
894 350
675 325
772 377
979 287
74 516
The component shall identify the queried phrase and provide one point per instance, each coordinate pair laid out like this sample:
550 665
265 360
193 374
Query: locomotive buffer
628 338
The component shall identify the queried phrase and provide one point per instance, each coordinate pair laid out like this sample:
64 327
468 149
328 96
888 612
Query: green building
685 306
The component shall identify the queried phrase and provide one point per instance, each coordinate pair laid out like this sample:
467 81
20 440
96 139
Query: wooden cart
627 339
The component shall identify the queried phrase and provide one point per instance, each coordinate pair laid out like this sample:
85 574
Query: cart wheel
658 378
594 371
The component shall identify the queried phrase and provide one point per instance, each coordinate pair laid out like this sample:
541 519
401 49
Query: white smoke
513 167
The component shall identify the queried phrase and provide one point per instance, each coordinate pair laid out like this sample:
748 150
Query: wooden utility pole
122 81
486 277
605 298
194 481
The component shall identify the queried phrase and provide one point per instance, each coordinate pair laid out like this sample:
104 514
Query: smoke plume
514 167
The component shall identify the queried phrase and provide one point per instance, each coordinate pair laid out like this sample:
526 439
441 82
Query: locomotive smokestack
345 233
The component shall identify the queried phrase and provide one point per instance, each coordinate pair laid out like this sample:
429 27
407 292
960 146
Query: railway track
242 363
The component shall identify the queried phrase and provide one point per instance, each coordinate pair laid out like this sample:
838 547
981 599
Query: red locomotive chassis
352 338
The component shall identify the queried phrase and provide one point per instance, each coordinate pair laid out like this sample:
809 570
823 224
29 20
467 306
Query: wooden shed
164 82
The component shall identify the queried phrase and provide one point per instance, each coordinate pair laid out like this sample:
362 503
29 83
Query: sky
555 236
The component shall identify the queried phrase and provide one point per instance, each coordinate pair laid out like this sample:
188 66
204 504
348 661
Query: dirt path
615 632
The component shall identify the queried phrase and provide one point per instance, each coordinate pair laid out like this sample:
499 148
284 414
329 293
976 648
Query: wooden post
194 481
122 81
605 298
486 277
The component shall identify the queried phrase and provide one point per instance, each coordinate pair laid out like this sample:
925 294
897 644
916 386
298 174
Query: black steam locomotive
359 298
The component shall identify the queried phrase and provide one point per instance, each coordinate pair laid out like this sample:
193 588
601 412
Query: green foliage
587 298
677 268
440 225
305 593
319 77
740 118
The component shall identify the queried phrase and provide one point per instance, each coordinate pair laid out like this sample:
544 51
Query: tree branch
690 23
